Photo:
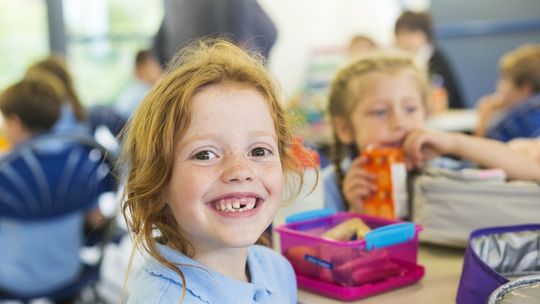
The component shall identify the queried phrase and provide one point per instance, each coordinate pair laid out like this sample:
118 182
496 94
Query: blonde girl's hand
358 184
422 145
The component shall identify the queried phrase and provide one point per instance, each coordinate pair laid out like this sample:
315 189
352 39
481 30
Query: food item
367 267
347 229
390 199
299 256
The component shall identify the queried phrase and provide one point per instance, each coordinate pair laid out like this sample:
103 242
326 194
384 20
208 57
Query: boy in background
30 107
147 72
513 110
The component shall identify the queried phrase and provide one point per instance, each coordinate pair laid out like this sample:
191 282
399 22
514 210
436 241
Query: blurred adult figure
414 33
244 21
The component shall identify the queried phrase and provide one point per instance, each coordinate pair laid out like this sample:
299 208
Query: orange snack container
390 199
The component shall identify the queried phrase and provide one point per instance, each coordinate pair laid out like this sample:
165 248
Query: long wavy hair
161 120
56 65
352 81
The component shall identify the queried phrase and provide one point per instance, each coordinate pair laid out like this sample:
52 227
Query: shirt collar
258 270
198 276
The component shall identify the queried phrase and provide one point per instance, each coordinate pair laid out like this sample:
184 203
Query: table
462 120
439 284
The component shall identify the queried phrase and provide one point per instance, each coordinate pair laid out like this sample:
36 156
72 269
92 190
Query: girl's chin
241 242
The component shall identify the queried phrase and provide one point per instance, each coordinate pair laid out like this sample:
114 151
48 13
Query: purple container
492 255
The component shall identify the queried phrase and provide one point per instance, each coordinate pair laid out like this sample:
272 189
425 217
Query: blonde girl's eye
205 155
260 152
378 113
411 109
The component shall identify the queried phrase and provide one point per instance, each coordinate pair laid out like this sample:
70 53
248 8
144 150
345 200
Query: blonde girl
379 100
375 100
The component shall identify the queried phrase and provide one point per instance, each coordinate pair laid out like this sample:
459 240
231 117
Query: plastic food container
385 259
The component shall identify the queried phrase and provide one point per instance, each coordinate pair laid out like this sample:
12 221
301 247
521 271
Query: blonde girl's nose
237 169
398 120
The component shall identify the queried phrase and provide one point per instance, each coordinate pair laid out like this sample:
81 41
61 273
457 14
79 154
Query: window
23 37
102 39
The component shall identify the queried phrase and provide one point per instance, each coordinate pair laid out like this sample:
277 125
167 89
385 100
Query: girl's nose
237 169
398 121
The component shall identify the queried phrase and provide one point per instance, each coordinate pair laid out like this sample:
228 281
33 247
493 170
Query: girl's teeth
236 205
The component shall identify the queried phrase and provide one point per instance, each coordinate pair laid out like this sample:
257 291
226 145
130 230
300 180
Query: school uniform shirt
522 120
39 256
67 123
272 281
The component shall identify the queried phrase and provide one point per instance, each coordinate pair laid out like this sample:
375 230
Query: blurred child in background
31 107
208 150
513 110
379 100
360 44
73 114
147 73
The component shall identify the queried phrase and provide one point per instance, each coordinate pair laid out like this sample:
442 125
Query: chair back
46 186
54 175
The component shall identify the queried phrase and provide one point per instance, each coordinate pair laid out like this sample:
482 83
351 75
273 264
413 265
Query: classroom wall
475 34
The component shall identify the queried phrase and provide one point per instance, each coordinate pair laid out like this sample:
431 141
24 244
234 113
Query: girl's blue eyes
208 155
411 109
382 113
378 113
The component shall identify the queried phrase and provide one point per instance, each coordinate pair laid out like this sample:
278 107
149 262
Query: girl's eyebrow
215 136
261 133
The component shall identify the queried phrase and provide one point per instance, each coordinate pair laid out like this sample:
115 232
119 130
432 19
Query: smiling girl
208 151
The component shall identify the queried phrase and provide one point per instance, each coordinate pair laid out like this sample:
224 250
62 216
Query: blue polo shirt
522 120
37 256
272 281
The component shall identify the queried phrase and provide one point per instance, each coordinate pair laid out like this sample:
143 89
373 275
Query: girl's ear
343 130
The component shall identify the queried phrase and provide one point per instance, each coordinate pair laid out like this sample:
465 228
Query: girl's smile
237 204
